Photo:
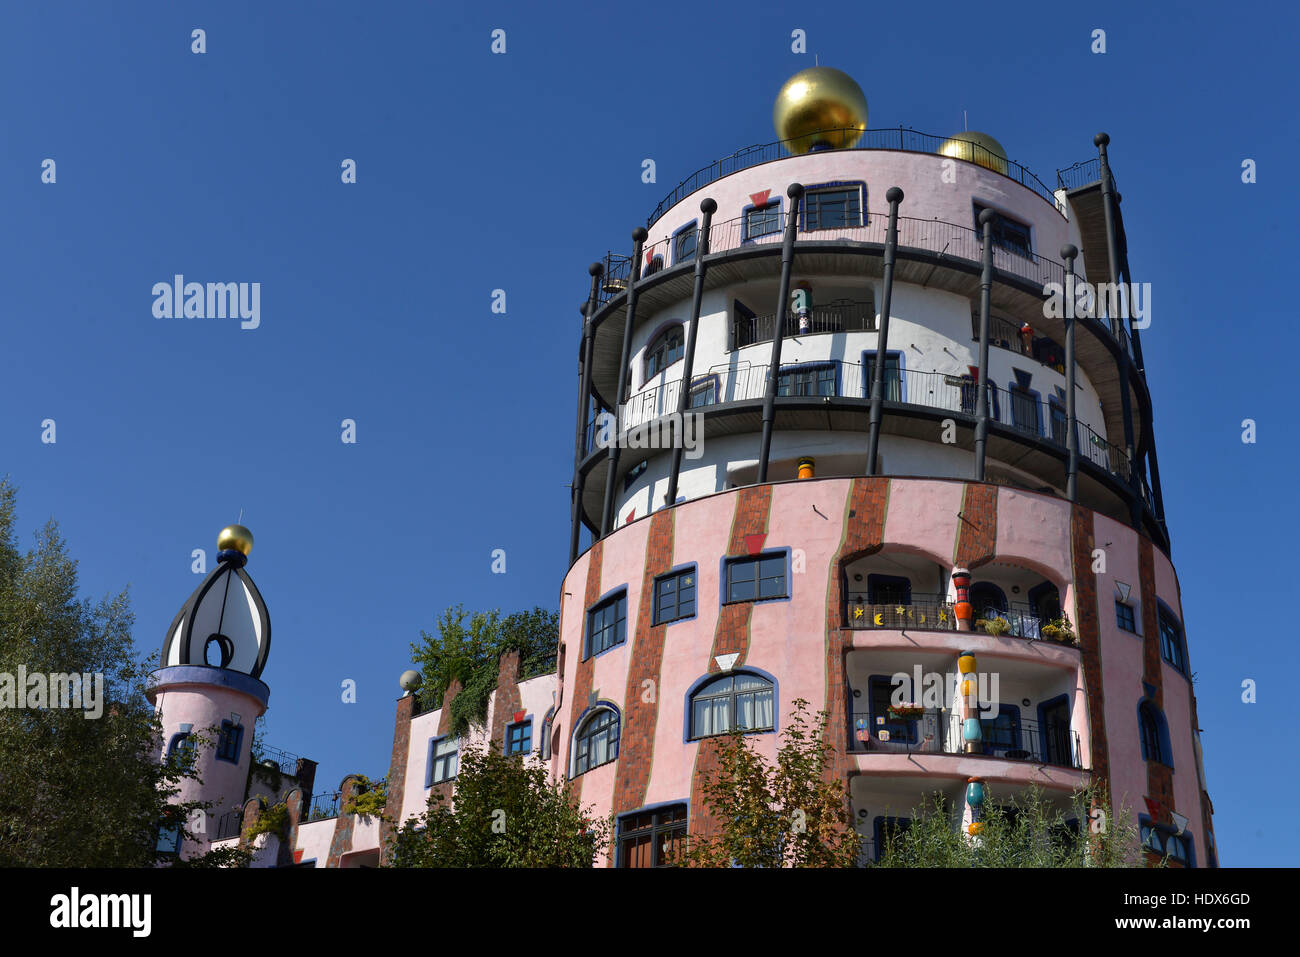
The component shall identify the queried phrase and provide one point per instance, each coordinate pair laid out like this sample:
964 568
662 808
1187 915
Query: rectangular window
1007 233
880 693
443 760
674 596
684 245
1124 617
652 838
519 738
814 380
1060 424
756 579
1171 640
833 208
607 625
1002 734
704 393
228 742
1024 411
763 220
893 383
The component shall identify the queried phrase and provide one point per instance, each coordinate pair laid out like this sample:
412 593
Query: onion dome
978 148
820 108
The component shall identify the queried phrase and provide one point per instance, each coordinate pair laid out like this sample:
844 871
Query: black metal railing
324 805
918 613
906 140
1022 620
939 731
286 761
1080 174
840 315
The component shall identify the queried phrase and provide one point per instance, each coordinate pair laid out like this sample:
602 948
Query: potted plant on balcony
1060 630
994 626
906 712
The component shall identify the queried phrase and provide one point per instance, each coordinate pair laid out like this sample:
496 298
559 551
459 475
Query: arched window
1149 729
596 742
545 748
989 600
741 700
663 351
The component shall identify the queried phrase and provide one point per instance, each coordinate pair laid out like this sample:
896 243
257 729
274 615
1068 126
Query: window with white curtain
742 700
596 742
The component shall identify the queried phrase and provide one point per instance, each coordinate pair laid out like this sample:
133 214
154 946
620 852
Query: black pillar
795 192
1068 253
584 399
894 196
708 207
607 513
982 387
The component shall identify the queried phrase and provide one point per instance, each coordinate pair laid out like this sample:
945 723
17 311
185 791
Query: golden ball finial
817 99
978 148
235 537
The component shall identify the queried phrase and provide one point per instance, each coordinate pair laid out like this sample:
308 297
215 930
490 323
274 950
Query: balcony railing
1080 174
891 139
940 732
286 761
841 315
920 613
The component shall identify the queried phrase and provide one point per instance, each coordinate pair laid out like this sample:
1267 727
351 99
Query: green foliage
994 626
1060 629
369 799
1035 835
78 792
272 820
469 653
794 814
507 813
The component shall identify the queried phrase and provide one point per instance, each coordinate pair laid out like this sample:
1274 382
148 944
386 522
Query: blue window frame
606 625
519 737
1124 616
1165 841
596 742
1060 423
665 349
811 379
444 760
229 741
757 578
653 837
684 242
1026 411
737 700
762 220
1008 234
169 840
893 384
1150 731
634 473
547 724
1002 734
674 596
833 207
1171 639
704 391
880 690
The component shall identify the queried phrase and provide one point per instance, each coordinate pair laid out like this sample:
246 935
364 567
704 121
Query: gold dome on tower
978 148
235 537
819 99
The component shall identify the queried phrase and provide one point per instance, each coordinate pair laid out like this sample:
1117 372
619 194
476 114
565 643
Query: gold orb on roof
237 537
820 106
978 148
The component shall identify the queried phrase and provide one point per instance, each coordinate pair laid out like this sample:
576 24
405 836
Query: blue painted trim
902 379
977 204
872 680
528 720
428 767
778 202
654 338
873 579
672 245
548 726
654 594
765 553
175 742
713 676
239 741
1012 388
588 712
1162 732
586 623
644 809
1186 669
1014 711
1131 608
208 675
834 184
1188 839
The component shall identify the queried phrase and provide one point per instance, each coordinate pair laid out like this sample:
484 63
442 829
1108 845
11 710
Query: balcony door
1056 734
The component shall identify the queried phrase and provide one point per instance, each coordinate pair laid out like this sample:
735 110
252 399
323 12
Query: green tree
79 792
1025 831
792 814
467 648
507 813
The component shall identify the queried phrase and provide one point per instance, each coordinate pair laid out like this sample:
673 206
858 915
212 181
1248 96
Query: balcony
919 613
842 315
940 732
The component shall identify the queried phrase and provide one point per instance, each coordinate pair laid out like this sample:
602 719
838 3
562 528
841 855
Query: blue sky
477 172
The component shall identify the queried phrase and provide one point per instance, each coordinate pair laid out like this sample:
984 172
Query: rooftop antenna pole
965 128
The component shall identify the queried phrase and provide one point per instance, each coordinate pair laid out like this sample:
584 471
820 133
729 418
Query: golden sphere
978 148
820 98
237 537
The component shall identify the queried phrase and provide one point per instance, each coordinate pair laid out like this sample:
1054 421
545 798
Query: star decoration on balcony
900 610
943 615
857 612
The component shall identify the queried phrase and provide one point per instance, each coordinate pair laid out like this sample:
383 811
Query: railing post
894 196
584 397
981 387
1112 256
1068 253
708 207
795 192
634 273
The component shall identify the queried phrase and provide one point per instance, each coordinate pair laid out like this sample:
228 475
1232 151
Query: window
228 742
763 220
653 265
169 840
1007 233
597 741
443 763
889 590
833 208
811 380
519 737
756 579
880 691
893 384
1162 840
744 325
674 596
652 838
1060 423
1024 410
684 241
741 700
634 473
989 600
547 722
704 392
1149 729
606 625
663 351
1171 640
1124 617
1002 734
185 745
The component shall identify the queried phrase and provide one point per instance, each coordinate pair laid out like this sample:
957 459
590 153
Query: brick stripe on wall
582 680
1160 779
977 527
506 701
1088 626
397 772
